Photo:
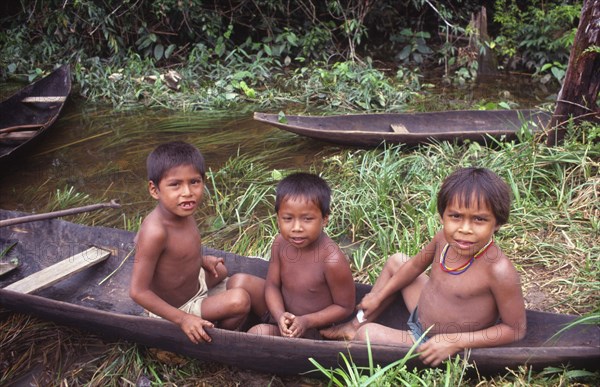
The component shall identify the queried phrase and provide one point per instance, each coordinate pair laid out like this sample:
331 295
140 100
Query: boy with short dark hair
171 278
309 284
472 297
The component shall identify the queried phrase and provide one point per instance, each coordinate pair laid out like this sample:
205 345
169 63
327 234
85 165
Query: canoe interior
107 310
38 116
415 128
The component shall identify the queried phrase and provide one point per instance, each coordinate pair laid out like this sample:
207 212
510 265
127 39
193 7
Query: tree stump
477 43
579 91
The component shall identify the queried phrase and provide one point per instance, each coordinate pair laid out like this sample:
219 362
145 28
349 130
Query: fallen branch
57 214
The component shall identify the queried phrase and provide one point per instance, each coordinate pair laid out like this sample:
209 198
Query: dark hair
480 184
170 155
306 185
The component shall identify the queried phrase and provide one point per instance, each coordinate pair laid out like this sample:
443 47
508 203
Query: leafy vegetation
266 53
538 37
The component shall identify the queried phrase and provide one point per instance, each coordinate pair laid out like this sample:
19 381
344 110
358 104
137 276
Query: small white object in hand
360 316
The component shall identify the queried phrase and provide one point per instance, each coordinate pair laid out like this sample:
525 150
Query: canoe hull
33 109
107 310
275 354
371 130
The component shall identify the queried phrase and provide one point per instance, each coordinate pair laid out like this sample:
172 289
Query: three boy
471 298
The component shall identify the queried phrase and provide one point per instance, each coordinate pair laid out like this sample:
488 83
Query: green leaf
558 73
145 42
424 49
7 249
170 50
405 52
292 39
281 118
159 50
241 75
276 175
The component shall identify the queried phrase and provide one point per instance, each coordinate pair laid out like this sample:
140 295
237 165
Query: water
102 153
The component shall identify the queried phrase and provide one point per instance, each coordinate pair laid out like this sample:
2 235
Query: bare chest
457 300
472 283
303 278
181 258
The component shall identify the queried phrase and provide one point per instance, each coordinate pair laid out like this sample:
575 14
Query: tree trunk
579 92
488 64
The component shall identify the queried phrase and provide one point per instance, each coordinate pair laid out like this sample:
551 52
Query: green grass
396 373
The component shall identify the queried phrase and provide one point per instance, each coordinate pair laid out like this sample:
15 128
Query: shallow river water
100 152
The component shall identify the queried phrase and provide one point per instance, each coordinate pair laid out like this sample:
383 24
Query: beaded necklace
463 268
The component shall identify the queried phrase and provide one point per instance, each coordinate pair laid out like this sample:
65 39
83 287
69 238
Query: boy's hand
369 303
193 327
436 350
298 327
285 322
210 264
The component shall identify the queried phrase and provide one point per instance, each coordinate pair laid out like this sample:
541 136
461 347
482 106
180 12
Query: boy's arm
343 293
215 270
506 287
273 296
413 268
406 274
149 245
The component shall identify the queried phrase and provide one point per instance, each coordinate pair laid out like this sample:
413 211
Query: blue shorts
416 329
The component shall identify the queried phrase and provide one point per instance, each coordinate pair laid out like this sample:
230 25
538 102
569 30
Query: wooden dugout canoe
370 130
28 113
106 310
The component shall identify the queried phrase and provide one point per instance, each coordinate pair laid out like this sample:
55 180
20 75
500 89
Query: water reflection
102 153
520 91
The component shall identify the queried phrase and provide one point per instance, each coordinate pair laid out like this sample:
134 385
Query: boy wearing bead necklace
472 296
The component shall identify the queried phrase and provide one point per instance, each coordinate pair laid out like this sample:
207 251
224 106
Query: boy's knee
238 280
262 329
239 301
396 260
234 281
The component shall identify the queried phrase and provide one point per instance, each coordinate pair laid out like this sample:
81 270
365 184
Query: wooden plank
37 99
399 128
59 271
7 267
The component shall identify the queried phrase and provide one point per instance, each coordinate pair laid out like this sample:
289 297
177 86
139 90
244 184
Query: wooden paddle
57 214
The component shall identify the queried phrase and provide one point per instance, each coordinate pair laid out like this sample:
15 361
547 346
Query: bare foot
345 331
